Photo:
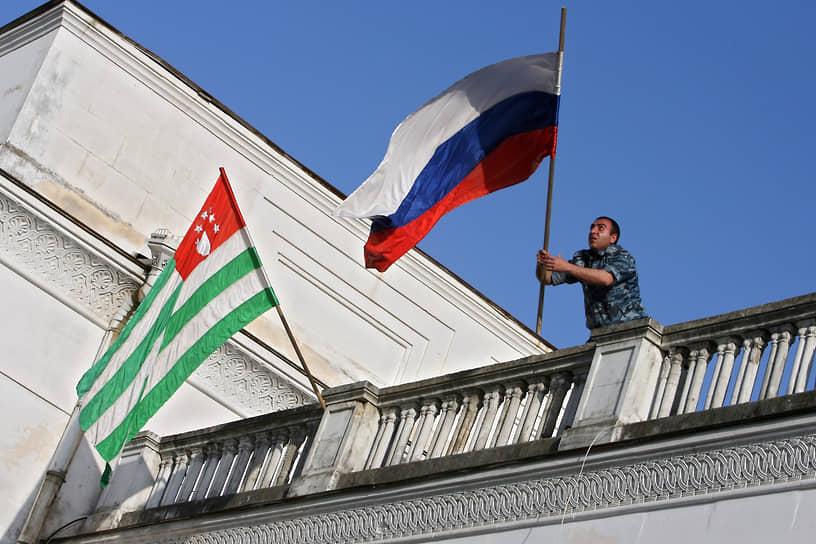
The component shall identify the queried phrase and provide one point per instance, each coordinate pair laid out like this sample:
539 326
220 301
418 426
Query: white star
204 215
198 228
216 228
212 217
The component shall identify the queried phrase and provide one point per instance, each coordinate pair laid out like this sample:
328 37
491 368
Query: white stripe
159 364
215 261
136 335
415 140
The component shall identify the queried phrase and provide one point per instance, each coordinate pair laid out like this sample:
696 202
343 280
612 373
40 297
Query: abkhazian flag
213 287
486 132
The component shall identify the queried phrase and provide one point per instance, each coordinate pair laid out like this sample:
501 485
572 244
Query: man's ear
614 238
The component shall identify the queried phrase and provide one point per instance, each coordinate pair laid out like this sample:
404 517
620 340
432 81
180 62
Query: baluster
296 436
471 403
245 447
559 386
255 466
179 470
579 381
746 351
661 387
424 428
384 435
450 405
535 394
270 471
726 353
213 451
780 344
690 366
695 379
750 364
808 338
491 400
672 382
193 470
512 400
406 425
228 451
165 469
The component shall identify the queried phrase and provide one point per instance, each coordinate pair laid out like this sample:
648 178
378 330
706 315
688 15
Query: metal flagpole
280 314
551 178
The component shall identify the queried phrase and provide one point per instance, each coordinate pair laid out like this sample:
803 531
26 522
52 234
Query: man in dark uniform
607 274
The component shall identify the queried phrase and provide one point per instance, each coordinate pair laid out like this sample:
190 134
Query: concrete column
621 383
343 439
726 353
776 364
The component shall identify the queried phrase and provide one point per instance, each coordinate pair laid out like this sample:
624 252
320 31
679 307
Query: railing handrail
741 322
301 415
564 360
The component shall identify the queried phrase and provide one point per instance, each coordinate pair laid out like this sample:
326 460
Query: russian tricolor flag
488 131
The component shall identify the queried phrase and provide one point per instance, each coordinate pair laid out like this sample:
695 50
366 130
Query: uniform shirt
608 305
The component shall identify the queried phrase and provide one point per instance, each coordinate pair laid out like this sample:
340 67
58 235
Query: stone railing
566 400
495 406
754 354
246 455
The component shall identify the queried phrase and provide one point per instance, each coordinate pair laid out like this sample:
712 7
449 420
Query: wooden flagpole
551 178
285 323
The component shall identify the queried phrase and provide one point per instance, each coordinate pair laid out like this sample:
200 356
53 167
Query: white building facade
101 144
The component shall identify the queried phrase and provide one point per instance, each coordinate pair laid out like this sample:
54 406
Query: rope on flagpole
551 177
283 318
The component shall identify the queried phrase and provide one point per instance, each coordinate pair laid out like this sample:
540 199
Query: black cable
52 535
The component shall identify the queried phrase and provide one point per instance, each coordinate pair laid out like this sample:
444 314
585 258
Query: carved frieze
30 244
238 378
748 466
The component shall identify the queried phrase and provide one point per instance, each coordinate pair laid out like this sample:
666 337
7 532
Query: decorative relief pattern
659 480
234 375
32 244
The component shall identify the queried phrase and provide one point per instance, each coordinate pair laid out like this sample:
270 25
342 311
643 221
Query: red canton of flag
218 219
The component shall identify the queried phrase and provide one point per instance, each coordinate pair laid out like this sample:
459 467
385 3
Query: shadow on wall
77 497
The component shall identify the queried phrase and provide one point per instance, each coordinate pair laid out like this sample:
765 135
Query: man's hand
547 264
553 263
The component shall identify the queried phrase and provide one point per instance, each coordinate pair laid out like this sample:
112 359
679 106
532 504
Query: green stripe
122 379
110 447
231 272
88 379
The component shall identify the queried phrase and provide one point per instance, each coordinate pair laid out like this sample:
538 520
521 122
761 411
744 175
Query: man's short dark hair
615 226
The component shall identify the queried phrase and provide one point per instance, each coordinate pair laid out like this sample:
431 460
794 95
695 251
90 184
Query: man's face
600 234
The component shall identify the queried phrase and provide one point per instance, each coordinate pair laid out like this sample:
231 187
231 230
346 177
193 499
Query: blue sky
688 122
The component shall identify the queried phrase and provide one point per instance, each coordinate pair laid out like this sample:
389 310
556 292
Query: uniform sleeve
562 277
621 265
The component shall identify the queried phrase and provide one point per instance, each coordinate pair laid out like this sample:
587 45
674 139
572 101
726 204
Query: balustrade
241 456
475 410
755 354
584 395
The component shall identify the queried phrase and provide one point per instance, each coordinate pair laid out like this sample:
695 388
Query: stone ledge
444 466
259 497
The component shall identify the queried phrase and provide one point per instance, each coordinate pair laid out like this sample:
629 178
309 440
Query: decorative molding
236 378
754 466
36 249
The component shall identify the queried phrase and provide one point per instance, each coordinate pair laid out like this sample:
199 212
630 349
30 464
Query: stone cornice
216 118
